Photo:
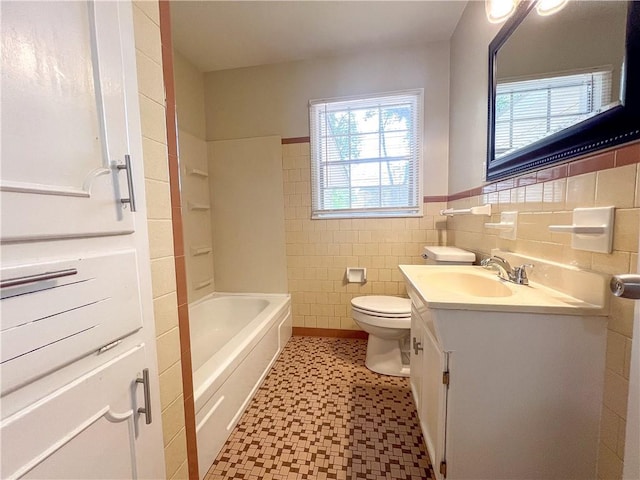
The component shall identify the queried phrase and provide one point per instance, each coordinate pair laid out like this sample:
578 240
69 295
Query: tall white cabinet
79 392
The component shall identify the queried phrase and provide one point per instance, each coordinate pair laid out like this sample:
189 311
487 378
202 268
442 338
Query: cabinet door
65 112
417 360
434 399
87 429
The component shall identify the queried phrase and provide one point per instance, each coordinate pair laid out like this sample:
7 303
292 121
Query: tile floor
321 414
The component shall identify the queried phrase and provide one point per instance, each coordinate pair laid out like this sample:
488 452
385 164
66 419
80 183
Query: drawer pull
39 277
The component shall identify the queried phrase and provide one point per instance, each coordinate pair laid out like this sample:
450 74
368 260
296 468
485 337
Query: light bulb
499 10
549 7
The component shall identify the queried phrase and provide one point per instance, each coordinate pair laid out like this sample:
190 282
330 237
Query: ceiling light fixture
549 7
499 10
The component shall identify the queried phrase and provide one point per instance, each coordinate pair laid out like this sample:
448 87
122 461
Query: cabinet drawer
46 324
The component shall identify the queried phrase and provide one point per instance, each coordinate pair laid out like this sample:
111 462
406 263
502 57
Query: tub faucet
516 275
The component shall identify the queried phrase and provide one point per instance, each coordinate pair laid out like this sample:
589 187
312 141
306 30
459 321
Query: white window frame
320 161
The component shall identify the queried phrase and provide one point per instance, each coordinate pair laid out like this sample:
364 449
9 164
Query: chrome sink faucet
516 275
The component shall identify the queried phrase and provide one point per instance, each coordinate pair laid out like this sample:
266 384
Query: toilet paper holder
356 275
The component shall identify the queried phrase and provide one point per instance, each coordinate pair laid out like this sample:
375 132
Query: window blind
529 110
366 155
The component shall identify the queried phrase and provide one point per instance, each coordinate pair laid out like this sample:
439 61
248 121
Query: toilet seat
382 306
382 311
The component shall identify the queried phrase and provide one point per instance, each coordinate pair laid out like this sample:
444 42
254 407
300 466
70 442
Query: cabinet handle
147 396
417 346
132 198
38 277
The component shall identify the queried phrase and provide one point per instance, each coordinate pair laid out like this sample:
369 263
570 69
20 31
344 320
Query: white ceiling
219 35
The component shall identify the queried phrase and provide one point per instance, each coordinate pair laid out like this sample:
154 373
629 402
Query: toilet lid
383 304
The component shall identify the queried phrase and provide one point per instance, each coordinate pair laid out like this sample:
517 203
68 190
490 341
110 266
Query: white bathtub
234 341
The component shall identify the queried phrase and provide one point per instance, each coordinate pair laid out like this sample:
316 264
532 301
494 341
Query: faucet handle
520 274
487 261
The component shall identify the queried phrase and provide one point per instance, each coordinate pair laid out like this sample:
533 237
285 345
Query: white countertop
472 288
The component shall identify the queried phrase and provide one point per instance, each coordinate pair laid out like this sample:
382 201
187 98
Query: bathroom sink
476 288
469 283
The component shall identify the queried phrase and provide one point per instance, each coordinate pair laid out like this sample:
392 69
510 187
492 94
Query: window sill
338 216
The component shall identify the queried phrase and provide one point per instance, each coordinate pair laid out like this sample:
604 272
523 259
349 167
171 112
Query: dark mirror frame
620 124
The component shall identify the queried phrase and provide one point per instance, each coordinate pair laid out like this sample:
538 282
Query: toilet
387 319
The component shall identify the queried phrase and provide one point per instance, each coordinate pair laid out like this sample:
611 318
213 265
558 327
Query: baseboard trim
329 332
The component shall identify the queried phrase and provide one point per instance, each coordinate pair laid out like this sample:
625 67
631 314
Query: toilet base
385 356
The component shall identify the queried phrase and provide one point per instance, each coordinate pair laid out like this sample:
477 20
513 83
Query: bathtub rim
213 295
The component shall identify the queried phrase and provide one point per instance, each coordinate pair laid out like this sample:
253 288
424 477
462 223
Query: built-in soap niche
591 229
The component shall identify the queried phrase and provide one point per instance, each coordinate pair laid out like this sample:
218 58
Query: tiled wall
152 110
547 198
318 251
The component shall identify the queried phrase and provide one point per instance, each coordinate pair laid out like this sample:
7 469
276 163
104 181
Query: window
529 110
366 156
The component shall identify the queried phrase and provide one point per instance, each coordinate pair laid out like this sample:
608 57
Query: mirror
562 85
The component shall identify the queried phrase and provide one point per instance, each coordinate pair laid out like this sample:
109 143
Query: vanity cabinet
429 386
507 394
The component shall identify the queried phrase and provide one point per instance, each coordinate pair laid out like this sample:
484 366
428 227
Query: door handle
626 286
147 396
132 198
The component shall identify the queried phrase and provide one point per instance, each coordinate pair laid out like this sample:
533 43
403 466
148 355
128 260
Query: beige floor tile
321 414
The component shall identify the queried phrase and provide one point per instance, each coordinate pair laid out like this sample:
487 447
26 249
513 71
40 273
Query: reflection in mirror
571 71
564 85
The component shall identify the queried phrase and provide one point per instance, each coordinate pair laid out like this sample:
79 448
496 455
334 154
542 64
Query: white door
632 442
77 345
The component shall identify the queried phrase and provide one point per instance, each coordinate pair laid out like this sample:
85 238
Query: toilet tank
447 256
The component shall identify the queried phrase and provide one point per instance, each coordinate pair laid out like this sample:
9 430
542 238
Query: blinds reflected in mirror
532 109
